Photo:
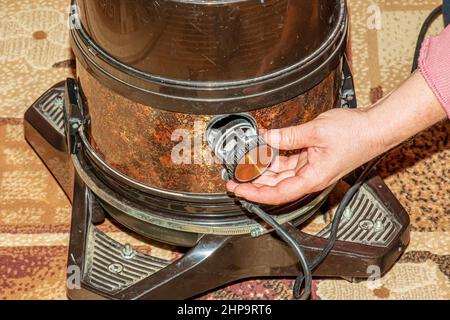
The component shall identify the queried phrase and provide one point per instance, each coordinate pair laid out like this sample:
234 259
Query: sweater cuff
434 64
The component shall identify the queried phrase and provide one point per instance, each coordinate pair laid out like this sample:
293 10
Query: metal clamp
348 94
74 116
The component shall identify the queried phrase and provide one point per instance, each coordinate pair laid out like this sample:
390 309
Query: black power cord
336 221
307 268
446 12
423 32
306 276
443 9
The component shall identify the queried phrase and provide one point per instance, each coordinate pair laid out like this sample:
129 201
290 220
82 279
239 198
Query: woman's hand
332 145
339 141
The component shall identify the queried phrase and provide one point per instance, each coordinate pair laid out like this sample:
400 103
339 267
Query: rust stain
382 292
40 35
136 139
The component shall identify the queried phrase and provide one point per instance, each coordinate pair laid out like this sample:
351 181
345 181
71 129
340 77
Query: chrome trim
341 24
188 226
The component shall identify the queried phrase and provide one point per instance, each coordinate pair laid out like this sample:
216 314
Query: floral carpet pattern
35 214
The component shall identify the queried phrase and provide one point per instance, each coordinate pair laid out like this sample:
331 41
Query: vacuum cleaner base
374 232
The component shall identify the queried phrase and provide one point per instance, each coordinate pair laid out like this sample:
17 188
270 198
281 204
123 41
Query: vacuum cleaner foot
373 233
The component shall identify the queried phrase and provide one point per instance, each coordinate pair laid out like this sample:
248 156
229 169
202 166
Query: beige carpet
35 215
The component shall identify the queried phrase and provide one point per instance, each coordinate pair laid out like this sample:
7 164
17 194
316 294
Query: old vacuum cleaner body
148 68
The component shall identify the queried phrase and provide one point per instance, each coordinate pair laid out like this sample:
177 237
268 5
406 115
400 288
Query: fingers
231 185
302 161
280 169
291 138
286 191
272 179
281 163
269 178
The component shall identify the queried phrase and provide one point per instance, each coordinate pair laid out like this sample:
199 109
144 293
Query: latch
74 115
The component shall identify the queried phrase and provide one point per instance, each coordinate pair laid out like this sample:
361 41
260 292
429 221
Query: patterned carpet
35 214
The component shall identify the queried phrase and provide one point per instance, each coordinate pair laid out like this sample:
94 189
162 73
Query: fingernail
236 192
231 186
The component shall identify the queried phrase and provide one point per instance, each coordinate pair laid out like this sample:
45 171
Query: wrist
375 137
382 131
409 110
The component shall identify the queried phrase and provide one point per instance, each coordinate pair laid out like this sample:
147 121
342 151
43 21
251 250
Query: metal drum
153 74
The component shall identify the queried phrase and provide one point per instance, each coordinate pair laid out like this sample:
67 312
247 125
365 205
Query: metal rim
194 197
81 34
147 216
213 97
183 197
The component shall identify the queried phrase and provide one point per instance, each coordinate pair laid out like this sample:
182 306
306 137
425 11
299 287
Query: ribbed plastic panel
51 107
112 267
366 221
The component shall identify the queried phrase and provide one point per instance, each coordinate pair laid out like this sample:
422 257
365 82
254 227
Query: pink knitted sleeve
434 64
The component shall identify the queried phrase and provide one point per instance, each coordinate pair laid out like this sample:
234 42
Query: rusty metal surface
138 141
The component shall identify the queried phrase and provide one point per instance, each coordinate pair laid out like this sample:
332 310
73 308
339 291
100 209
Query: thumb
291 138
